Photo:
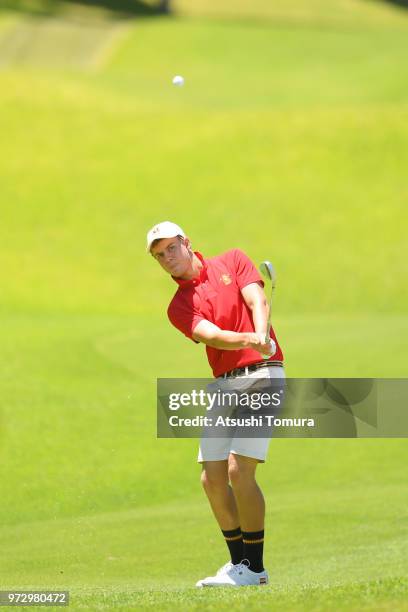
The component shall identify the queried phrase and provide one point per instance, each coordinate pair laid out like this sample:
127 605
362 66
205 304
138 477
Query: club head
268 271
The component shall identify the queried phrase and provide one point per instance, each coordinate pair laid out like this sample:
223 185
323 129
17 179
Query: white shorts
218 449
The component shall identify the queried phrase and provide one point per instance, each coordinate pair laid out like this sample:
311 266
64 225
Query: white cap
166 229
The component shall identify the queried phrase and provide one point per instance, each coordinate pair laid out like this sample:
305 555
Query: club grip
273 345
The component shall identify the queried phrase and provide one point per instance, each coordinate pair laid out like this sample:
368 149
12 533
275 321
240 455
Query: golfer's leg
249 499
251 508
214 478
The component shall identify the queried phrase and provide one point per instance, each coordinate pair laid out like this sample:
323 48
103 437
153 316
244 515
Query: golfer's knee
240 475
212 481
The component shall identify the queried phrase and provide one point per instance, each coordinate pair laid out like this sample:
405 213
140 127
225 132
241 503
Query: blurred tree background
124 7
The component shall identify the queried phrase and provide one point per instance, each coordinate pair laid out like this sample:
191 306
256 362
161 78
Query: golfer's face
172 255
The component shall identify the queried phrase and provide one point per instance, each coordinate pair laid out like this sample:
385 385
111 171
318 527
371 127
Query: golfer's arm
213 336
256 301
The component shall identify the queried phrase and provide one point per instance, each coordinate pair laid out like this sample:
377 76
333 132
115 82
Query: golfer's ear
187 243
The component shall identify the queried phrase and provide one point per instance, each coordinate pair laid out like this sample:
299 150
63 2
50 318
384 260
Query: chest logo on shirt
226 279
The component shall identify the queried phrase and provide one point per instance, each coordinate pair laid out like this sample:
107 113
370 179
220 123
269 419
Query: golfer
220 302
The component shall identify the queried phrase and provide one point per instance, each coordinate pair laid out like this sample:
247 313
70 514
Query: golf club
268 272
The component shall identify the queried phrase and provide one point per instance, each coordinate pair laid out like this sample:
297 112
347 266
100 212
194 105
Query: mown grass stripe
57 41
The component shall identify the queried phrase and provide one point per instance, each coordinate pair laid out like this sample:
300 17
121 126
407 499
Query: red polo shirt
215 296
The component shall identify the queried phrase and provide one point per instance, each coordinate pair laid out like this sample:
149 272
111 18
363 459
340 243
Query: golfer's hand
258 344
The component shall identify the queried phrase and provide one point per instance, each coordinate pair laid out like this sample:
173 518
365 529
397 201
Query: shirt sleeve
246 272
185 316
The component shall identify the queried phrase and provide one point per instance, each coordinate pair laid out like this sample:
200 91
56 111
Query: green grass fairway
289 141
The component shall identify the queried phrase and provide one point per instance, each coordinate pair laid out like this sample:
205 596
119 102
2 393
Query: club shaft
268 325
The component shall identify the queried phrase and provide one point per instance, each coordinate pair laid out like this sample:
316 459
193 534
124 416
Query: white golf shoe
225 568
234 576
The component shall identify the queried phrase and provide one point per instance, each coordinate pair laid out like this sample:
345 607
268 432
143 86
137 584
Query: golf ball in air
178 80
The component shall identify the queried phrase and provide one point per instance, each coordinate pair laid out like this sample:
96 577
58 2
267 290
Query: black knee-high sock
233 539
253 549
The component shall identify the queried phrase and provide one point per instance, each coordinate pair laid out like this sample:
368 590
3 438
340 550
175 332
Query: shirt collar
198 279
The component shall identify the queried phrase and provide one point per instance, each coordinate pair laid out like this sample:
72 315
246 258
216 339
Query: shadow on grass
400 3
117 8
